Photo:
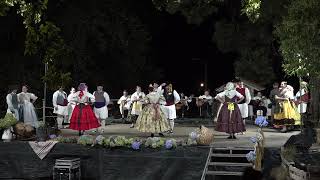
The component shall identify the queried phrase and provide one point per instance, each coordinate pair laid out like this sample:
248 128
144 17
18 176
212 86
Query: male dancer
243 105
137 101
172 98
100 106
60 104
12 101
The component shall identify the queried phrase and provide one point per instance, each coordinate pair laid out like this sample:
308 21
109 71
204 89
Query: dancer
124 104
71 105
152 119
172 98
273 93
82 117
137 100
26 101
229 118
60 105
12 101
303 99
243 105
287 115
100 106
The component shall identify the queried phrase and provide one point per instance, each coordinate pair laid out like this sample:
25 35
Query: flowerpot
7 135
42 134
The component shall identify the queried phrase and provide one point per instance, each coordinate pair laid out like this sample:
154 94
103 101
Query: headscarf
229 89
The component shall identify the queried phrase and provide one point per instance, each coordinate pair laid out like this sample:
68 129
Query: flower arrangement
154 142
251 156
261 121
62 139
170 144
86 140
136 145
8 121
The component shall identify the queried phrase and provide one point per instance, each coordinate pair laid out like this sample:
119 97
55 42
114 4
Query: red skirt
83 119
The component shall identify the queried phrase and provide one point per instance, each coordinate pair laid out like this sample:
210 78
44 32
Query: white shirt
124 98
9 100
206 97
55 96
229 94
26 97
136 96
86 98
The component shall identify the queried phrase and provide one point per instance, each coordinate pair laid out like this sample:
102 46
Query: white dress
29 114
59 109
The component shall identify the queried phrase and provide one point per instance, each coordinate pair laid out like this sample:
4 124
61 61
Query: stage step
230 164
226 161
224 173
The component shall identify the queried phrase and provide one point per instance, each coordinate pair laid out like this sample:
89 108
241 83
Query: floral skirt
288 114
152 120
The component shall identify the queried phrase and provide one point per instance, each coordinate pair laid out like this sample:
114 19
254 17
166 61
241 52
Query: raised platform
18 161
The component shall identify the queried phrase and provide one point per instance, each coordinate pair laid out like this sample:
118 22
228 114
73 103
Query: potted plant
6 125
41 132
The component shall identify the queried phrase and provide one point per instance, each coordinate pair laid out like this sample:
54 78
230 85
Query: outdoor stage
18 161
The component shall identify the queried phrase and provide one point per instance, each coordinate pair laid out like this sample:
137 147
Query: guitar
201 102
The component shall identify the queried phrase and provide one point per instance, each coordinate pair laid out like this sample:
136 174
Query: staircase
226 163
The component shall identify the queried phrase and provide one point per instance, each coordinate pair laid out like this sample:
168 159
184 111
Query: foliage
86 140
195 11
289 153
252 9
62 139
299 38
8 121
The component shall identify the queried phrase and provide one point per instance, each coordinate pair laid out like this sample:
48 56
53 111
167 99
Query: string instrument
182 103
201 102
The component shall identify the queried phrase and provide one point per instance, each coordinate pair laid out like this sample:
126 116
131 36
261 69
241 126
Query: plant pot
42 134
7 135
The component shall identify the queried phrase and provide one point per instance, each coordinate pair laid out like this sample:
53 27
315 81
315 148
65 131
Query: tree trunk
315 100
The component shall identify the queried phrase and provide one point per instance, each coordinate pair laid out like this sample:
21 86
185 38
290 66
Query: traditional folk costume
82 117
302 98
243 105
152 119
287 113
229 118
13 104
124 104
100 106
137 102
60 105
172 98
71 105
28 111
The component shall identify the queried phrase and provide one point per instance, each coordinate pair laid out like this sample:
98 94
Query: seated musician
183 105
205 102
124 104
259 104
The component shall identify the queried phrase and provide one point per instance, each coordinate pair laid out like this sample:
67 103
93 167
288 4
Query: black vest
14 101
169 98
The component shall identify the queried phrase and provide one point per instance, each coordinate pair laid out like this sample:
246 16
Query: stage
18 161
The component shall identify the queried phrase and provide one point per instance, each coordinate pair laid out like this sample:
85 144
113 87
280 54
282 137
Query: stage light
201 84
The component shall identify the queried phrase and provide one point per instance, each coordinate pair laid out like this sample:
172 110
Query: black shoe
230 137
234 137
161 135
152 135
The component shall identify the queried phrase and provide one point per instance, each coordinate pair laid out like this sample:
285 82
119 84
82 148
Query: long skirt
288 114
29 115
152 120
83 118
229 119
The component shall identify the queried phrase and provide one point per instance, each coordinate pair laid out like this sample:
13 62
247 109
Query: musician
183 105
206 104
102 100
172 98
273 93
137 102
243 105
124 104
12 101
259 104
